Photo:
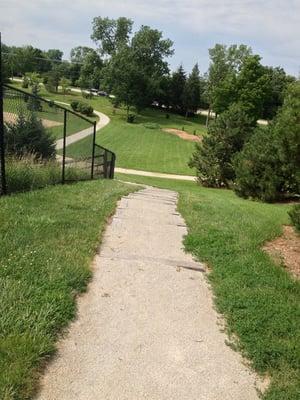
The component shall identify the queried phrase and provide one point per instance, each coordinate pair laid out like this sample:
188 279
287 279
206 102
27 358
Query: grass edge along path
259 299
48 240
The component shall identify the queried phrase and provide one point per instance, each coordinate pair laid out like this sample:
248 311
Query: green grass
48 239
260 300
74 123
135 145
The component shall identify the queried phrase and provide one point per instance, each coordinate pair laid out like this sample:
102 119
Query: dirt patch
183 135
286 249
47 123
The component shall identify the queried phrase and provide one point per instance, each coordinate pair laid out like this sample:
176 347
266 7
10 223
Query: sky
270 27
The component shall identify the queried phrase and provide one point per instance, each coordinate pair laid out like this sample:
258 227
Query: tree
268 167
191 92
28 136
54 54
277 81
213 158
111 34
78 54
65 85
91 71
225 61
134 72
52 79
178 82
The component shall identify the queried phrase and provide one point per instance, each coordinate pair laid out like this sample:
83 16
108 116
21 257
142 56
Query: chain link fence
47 140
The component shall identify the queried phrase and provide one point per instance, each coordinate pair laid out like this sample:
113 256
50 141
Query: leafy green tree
111 34
277 82
91 71
52 79
213 158
225 62
268 167
54 54
78 54
65 85
134 72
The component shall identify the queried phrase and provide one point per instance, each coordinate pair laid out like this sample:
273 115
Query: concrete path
102 122
146 328
155 174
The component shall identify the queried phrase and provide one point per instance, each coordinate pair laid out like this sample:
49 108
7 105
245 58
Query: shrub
75 105
86 109
29 136
131 118
295 216
213 158
82 108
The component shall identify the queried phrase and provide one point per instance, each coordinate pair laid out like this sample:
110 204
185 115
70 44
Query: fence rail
26 117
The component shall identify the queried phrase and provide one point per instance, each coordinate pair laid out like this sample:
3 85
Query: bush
213 158
82 108
28 136
75 105
86 109
131 118
295 216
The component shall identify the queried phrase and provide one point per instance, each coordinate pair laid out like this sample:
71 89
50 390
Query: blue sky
270 27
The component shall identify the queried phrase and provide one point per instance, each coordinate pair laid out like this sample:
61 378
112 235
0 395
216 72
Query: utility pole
2 150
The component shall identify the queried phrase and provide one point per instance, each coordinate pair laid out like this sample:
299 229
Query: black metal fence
77 157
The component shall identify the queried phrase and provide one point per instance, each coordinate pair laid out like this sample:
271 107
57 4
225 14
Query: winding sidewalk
146 328
103 121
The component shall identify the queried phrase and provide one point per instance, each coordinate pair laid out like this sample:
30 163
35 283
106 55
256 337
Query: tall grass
25 173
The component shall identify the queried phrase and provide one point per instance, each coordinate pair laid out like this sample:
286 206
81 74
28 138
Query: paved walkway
102 122
146 328
155 174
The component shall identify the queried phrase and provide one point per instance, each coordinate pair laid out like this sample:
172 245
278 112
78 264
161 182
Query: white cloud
272 27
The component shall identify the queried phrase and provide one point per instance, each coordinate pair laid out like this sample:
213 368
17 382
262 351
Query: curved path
103 121
147 328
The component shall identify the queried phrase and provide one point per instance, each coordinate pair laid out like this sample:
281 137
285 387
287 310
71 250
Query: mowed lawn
48 238
259 299
142 145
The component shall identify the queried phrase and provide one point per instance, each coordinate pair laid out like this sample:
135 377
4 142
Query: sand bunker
286 249
47 123
183 135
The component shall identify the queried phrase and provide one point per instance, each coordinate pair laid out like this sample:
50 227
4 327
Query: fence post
2 149
93 151
64 148
112 166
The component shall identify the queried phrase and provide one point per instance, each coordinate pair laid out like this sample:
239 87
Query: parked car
102 93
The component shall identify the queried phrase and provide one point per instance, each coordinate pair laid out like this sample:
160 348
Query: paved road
146 328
